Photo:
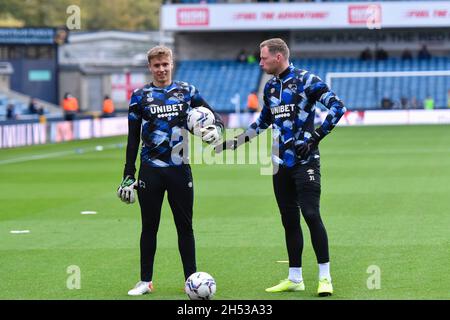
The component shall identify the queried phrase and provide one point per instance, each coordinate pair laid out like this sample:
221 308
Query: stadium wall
219 45
311 43
33 133
362 118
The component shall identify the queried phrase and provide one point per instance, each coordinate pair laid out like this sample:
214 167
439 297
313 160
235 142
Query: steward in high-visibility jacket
108 107
252 102
70 107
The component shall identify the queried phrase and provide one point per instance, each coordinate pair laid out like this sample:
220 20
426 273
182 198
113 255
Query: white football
200 286
199 118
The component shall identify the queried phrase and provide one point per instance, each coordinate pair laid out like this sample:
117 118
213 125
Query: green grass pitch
385 203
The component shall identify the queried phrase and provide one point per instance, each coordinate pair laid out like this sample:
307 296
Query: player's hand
304 149
232 144
126 190
227 144
211 134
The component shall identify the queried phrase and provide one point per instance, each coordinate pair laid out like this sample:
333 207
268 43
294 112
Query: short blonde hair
276 45
159 51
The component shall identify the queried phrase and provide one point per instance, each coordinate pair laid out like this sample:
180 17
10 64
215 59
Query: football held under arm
198 101
210 134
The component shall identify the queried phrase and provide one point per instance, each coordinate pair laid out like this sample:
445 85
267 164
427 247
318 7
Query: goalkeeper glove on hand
232 144
211 134
126 189
304 149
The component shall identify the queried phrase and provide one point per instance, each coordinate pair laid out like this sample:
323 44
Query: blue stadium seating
366 93
219 81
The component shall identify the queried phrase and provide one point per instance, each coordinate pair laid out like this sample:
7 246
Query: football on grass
200 286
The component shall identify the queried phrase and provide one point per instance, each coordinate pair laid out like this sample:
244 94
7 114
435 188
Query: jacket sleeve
317 90
134 133
262 123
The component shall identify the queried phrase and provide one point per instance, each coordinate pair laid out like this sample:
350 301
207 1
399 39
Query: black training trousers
153 183
299 187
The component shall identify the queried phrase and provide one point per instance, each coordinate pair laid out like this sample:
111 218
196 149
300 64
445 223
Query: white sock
295 275
324 271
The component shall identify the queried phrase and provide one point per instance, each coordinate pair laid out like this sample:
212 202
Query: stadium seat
219 81
373 89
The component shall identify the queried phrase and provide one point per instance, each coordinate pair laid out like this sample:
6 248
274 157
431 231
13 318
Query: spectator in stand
386 103
251 59
424 53
241 57
407 55
381 54
32 106
404 103
428 103
366 54
10 112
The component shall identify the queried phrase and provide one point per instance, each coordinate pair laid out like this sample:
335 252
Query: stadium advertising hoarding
18 135
393 117
291 16
367 117
33 36
27 35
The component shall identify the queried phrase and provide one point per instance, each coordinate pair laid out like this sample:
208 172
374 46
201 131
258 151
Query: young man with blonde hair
289 106
157 115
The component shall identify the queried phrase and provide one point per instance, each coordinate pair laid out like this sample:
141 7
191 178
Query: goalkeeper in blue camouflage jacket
157 115
289 106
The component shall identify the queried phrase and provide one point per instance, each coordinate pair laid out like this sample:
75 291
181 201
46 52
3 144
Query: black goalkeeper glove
304 149
232 144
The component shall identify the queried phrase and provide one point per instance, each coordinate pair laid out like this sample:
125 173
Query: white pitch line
36 157
283 261
88 212
20 231
52 155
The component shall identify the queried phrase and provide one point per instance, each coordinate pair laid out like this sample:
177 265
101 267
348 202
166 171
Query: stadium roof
150 36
